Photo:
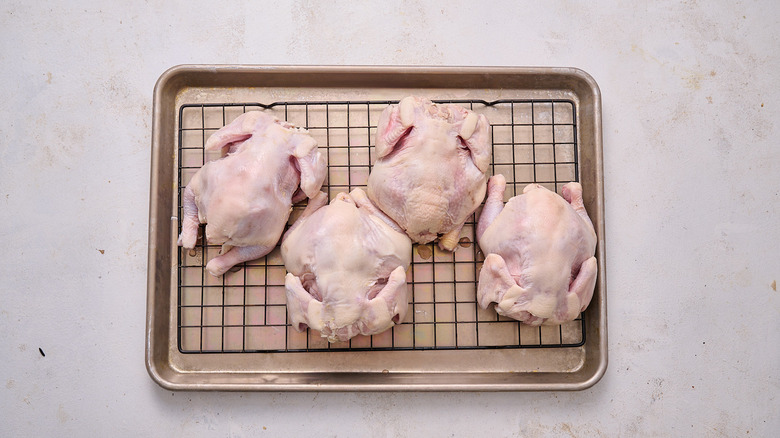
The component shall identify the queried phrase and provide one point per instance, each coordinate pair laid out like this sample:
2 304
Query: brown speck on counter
464 242
425 251
102 251
774 285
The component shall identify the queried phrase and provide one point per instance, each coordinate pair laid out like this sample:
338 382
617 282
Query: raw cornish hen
245 197
540 267
430 173
347 268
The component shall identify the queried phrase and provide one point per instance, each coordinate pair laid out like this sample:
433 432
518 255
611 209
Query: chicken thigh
540 266
347 266
245 198
431 168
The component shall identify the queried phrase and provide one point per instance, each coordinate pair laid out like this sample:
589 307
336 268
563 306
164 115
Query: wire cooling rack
534 141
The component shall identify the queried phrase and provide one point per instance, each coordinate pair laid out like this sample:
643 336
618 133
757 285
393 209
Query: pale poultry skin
346 265
245 197
539 266
430 171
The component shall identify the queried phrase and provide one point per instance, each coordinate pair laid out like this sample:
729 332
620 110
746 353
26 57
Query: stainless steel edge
595 92
152 319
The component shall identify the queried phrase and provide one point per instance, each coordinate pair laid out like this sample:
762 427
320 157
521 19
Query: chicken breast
245 197
347 268
539 266
429 176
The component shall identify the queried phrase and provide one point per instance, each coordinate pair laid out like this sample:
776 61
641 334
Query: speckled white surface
692 176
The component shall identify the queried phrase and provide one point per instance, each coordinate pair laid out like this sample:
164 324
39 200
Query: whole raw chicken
245 198
540 267
430 173
347 268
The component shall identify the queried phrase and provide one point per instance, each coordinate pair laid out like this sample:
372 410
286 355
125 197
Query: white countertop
692 187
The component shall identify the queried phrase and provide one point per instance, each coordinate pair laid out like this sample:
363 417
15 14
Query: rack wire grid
533 141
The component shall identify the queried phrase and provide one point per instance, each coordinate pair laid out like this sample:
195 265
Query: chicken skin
245 197
430 173
539 266
346 265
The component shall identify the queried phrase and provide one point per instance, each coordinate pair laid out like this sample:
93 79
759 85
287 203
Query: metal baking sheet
231 333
